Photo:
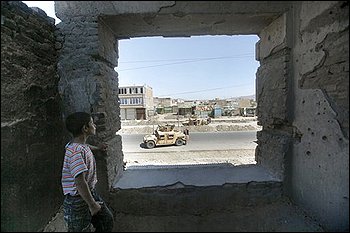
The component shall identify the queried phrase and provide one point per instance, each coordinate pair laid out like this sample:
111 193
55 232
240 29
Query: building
136 102
162 102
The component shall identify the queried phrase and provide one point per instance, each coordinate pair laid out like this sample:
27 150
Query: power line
212 89
191 59
175 63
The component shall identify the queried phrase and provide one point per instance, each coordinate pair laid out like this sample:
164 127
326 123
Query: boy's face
91 127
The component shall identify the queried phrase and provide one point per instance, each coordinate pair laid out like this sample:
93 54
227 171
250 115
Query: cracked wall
303 106
272 87
32 132
320 164
88 54
302 90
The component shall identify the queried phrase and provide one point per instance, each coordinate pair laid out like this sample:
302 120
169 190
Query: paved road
198 142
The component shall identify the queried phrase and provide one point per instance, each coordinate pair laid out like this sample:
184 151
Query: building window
122 91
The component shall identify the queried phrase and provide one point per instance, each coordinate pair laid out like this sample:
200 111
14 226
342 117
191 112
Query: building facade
136 102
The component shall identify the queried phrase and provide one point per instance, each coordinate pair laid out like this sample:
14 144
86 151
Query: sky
192 68
199 67
47 6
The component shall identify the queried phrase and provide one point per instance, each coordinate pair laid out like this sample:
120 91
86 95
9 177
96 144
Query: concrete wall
32 135
88 28
302 93
303 106
88 82
272 87
177 18
302 83
320 163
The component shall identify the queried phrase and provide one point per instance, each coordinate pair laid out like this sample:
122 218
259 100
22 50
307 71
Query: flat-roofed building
162 102
136 102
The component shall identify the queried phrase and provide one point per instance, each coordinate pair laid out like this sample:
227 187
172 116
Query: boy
82 206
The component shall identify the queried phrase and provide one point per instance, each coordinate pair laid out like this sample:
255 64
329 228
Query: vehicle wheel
150 144
179 142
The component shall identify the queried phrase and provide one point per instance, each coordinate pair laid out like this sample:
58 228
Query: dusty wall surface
88 82
303 70
177 18
272 87
88 37
303 106
32 138
302 93
320 164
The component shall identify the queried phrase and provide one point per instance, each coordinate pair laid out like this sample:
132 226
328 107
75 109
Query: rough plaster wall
88 82
178 18
109 105
275 118
180 199
321 159
174 203
31 125
88 54
69 9
272 97
77 64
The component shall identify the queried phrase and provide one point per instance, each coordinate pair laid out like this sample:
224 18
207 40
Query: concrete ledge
279 216
193 189
196 175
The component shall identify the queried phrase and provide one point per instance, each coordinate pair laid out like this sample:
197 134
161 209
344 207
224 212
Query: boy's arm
101 146
93 148
85 193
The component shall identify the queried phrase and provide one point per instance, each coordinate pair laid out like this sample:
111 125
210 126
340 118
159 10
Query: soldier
187 133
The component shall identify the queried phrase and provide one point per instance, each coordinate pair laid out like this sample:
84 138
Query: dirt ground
236 123
234 157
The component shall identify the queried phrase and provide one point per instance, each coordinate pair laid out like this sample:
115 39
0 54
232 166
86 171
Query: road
198 141
237 147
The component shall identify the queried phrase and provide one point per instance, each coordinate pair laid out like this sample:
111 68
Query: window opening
203 87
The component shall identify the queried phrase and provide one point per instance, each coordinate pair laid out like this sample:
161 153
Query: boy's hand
102 146
95 208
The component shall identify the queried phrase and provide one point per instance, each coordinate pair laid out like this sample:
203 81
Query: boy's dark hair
76 121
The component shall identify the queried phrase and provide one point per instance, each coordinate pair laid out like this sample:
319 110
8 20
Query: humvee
165 135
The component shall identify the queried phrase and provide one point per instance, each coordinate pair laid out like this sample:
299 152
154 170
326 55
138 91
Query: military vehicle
165 135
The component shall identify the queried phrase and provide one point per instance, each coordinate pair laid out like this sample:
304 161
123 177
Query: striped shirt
78 158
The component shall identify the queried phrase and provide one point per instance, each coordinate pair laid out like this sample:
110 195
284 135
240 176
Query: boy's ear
85 128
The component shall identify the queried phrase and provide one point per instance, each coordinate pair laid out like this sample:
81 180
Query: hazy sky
200 67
